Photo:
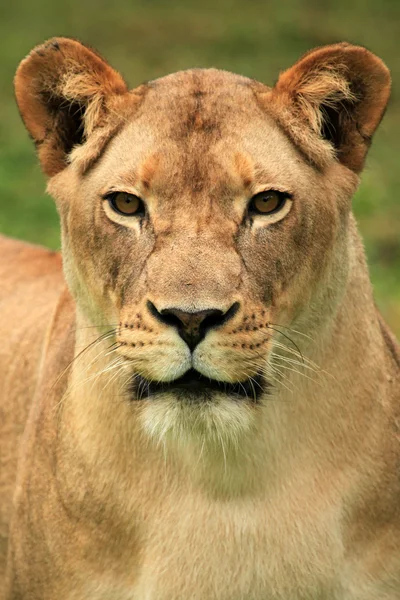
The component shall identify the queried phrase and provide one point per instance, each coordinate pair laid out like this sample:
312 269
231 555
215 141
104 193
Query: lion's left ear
331 101
65 91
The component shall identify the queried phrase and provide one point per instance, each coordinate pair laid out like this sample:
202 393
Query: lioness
206 407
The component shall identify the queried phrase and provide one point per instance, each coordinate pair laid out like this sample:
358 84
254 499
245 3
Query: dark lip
195 386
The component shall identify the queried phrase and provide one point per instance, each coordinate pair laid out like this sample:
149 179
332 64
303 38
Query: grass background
145 39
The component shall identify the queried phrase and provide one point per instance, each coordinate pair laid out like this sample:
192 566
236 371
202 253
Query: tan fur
293 493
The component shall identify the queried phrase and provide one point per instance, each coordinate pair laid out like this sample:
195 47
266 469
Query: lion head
204 215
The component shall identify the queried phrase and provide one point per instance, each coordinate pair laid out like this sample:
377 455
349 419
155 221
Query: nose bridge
201 270
191 321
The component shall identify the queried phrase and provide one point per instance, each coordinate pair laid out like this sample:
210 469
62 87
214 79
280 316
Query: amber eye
266 203
126 204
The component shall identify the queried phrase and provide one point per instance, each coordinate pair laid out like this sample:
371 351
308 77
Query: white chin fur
221 422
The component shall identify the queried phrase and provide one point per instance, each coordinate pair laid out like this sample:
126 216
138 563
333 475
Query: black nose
193 326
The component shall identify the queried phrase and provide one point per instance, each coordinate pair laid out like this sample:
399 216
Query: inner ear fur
65 91
331 102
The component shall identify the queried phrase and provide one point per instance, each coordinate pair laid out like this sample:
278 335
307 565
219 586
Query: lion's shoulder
32 284
21 261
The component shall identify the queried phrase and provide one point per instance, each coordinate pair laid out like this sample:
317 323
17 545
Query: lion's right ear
64 92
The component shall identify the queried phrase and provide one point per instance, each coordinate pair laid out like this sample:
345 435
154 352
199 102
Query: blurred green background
145 39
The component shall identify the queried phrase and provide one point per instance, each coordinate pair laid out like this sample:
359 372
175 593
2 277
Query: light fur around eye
266 208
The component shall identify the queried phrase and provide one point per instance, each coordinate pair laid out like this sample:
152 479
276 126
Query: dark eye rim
111 196
283 198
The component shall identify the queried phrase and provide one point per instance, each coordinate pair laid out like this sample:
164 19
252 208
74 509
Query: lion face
201 216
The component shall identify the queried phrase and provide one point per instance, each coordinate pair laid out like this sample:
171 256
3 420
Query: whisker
291 351
101 338
288 338
298 373
295 362
99 326
266 369
95 375
291 329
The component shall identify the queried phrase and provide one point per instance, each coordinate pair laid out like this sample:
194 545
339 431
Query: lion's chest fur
233 550
252 549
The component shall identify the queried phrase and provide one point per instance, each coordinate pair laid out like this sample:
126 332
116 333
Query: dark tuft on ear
331 102
64 92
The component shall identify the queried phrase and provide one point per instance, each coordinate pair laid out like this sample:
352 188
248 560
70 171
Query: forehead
202 101
200 126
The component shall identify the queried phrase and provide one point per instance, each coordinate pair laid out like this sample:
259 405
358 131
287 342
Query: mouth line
195 386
